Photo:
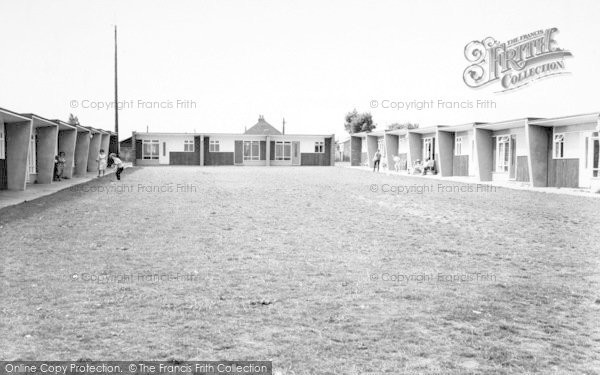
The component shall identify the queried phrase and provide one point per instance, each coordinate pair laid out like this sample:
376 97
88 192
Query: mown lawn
307 267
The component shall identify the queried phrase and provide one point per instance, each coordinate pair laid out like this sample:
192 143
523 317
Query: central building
260 145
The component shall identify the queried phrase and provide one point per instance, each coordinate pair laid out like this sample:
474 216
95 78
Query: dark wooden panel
312 159
562 172
327 157
522 169
182 158
460 165
512 156
3 175
113 144
272 151
239 152
219 158
263 150
138 148
566 173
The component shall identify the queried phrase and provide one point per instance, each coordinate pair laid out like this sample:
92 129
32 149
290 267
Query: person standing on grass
102 161
376 160
118 164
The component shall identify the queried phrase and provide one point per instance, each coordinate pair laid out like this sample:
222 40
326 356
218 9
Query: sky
215 66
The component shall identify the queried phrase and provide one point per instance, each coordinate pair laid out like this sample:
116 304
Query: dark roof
262 128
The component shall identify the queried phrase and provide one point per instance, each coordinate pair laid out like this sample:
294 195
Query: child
102 160
118 164
59 166
376 161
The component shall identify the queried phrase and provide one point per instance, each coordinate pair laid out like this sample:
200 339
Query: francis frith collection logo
514 63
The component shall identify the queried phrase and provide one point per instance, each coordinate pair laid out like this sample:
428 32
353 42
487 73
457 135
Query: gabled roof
262 128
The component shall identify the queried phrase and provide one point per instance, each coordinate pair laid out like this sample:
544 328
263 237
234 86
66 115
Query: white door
589 161
31 159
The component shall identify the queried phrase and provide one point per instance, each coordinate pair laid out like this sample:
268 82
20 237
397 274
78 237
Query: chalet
358 149
396 144
456 146
564 151
423 145
29 144
503 151
15 141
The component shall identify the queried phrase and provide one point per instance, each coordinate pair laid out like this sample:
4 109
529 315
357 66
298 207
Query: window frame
186 145
280 148
458 143
503 163
431 154
214 146
558 143
150 156
319 147
251 145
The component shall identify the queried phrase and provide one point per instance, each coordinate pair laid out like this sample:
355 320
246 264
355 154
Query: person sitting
429 166
417 167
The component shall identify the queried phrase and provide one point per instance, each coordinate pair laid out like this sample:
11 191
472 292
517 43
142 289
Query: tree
405 125
73 120
359 122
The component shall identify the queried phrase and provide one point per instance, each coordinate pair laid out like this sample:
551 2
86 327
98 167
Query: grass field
308 267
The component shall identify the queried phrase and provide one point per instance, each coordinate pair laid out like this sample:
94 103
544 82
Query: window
188 146
2 151
213 146
559 146
150 149
458 142
503 153
164 148
283 150
251 150
428 148
319 147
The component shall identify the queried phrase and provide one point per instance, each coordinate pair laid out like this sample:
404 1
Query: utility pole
116 96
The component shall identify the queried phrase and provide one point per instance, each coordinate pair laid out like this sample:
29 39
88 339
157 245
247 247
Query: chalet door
295 153
31 159
512 169
589 159
239 153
